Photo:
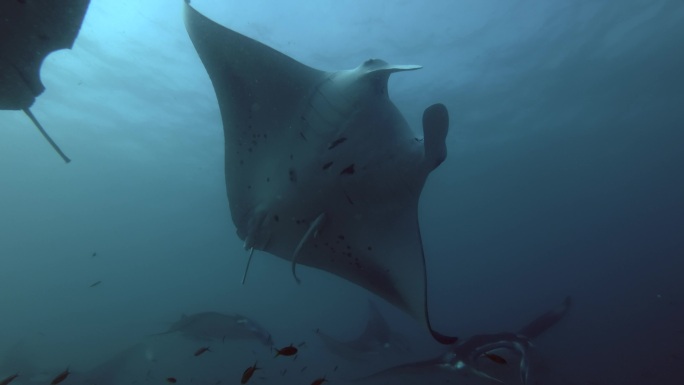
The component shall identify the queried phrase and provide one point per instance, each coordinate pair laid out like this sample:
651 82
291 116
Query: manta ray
219 326
321 168
376 339
469 359
29 31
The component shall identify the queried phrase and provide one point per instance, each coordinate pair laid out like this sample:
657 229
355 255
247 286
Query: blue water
564 176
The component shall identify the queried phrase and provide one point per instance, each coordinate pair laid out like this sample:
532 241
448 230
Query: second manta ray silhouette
468 357
321 168
377 338
219 326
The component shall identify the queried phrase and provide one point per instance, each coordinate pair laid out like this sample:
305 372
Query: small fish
94 255
9 379
282 372
96 283
319 381
171 380
349 170
286 351
248 373
496 358
202 350
301 344
336 143
303 369
60 377
334 370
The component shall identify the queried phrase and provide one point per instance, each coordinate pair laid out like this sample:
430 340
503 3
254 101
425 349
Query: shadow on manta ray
376 339
472 359
321 168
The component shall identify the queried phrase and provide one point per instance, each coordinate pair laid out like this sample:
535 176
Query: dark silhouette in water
377 338
31 30
218 326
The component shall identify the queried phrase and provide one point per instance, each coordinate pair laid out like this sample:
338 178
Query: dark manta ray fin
29 31
300 142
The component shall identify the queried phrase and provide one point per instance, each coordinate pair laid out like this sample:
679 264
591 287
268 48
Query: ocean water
564 177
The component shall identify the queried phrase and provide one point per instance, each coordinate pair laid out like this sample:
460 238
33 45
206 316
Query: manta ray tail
313 230
45 135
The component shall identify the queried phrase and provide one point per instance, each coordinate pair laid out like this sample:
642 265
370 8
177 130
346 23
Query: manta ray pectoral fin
312 232
46 136
435 129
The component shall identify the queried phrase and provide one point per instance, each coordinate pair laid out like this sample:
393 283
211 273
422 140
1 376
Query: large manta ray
321 168
29 31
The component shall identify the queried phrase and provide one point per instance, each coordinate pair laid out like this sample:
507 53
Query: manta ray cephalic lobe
321 168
